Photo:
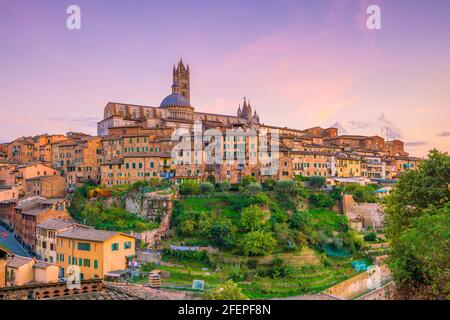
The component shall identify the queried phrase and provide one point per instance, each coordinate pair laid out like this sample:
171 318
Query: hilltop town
54 188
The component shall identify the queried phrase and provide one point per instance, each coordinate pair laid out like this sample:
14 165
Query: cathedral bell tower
181 80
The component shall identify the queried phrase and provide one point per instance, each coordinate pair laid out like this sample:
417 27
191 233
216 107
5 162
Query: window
84 246
115 247
87 263
127 245
95 264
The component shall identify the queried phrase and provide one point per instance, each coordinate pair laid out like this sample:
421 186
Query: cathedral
175 110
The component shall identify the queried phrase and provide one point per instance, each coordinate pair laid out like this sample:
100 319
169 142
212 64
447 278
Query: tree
253 218
187 227
229 291
420 257
225 186
301 221
258 243
269 184
317 182
321 200
211 179
189 187
418 213
285 186
254 188
221 234
206 187
248 180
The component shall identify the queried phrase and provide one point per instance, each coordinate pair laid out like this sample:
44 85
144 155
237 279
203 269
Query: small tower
246 110
181 80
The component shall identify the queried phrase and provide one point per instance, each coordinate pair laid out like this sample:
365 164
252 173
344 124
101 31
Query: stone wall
360 283
48 291
151 206
385 292
155 207
370 214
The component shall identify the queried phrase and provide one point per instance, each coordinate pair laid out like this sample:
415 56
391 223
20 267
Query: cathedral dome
175 100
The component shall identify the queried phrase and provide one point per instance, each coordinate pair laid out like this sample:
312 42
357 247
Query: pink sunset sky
301 63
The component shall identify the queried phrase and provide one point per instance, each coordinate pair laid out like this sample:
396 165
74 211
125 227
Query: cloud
339 127
392 131
444 134
416 144
359 124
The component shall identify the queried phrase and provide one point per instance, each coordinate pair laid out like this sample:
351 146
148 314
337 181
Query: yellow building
348 166
95 252
4 254
22 271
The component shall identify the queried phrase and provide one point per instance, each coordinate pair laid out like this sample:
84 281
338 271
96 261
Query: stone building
78 160
31 212
174 111
46 233
46 186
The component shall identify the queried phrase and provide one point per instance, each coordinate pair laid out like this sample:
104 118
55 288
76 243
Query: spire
239 111
181 65
175 87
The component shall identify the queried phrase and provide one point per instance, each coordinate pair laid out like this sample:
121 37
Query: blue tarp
360 265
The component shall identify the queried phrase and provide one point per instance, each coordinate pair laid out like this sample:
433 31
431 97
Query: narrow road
11 243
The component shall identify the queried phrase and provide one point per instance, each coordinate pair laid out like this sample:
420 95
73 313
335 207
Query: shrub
371 236
221 234
225 186
317 182
206 187
300 220
252 263
253 188
179 255
321 200
269 184
285 186
229 291
211 179
187 227
253 218
248 180
189 187
258 243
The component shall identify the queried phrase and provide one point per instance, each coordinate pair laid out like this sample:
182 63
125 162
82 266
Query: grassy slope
309 274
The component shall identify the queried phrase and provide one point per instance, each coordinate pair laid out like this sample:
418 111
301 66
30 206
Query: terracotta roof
17 262
89 234
43 265
55 224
